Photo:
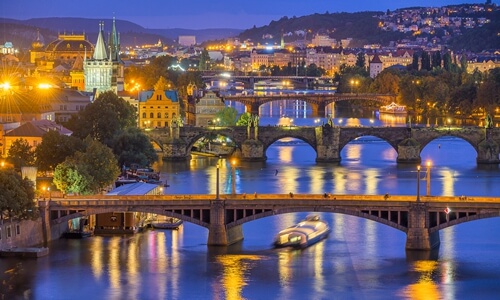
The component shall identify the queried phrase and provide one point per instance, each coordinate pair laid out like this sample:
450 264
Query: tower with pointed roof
104 71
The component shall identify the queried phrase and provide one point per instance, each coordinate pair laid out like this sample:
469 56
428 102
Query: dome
70 43
37 44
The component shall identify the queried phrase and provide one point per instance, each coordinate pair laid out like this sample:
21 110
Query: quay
25 252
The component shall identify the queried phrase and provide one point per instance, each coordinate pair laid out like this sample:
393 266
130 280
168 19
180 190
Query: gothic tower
104 71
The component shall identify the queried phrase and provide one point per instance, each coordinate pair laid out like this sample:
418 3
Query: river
361 259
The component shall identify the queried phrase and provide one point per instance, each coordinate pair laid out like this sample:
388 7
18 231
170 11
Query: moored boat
169 223
304 234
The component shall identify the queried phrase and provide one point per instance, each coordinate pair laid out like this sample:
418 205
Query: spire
114 45
100 47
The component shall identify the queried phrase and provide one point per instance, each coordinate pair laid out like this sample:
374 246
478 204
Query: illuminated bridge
421 221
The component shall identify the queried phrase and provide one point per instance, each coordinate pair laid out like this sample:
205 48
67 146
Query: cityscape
324 155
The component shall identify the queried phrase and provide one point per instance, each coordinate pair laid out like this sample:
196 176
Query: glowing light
5 86
44 86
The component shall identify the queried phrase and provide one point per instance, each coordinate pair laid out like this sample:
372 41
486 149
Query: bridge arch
472 142
380 135
460 218
268 143
153 210
286 210
228 133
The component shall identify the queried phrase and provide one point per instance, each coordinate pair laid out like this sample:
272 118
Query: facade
32 132
376 66
159 108
187 40
207 108
104 71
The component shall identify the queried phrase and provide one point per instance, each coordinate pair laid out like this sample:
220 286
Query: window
18 229
151 115
159 124
0 233
159 115
9 233
166 115
144 115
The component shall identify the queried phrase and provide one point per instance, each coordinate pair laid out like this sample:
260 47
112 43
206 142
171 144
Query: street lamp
217 182
449 124
418 183
233 176
354 83
428 178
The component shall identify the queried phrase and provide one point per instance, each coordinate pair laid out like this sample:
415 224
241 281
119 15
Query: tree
104 118
227 116
132 146
360 60
70 178
55 148
244 119
17 196
87 172
21 154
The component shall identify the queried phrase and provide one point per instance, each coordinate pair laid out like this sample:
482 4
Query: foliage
17 196
20 154
87 172
227 116
104 118
132 146
244 119
54 149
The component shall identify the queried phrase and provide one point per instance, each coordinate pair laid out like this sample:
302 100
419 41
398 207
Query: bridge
327 141
249 81
224 215
317 99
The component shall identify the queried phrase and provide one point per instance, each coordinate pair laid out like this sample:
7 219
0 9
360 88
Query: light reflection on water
361 259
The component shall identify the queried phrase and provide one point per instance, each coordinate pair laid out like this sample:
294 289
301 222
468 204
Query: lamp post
418 183
233 176
449 124
428 179
217 183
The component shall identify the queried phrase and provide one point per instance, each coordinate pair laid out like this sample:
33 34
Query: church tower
104 71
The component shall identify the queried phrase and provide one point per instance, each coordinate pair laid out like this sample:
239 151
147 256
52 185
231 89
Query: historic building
104 71
160 107
207 108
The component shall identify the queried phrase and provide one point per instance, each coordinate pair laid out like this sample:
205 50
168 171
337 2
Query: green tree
17 196
244 119
87 172
20 154
70 177
360 60
104 118
132 146
54 149
227 116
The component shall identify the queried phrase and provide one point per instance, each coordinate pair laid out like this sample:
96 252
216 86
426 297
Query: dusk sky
201 14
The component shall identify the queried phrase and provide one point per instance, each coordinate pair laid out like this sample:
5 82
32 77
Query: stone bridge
327 141
317 99
224 215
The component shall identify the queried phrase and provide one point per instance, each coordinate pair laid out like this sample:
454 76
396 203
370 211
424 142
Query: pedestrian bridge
420 220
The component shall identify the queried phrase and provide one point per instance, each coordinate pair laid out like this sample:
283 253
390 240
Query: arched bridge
327 141
317 99
420 220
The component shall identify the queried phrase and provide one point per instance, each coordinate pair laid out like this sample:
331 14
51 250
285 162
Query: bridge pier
218 233
253 150
409 151
327 149
175 151
418 236
487 150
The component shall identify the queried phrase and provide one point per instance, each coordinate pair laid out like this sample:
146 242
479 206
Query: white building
187 40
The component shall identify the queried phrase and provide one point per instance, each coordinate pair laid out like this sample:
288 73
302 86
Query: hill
23 32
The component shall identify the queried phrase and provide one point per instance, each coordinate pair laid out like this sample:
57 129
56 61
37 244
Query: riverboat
393 108
304 234
170 223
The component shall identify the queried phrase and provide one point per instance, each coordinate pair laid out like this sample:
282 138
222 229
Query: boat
169 223
393 108
304 234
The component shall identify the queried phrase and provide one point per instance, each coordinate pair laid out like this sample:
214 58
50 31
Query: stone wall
21 234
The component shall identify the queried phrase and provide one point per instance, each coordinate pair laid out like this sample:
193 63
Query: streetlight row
427 178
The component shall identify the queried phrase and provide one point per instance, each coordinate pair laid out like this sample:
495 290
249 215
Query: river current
361 259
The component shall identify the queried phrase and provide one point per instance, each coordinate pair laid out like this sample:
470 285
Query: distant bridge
317 99
224 215
327 141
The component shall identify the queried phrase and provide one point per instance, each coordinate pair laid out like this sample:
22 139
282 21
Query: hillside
23 32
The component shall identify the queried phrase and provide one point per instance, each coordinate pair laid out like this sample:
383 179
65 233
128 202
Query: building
32 132
376 66
104 71
187 40
207 108
160 107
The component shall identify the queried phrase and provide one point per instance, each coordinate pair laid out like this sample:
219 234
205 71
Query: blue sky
200 14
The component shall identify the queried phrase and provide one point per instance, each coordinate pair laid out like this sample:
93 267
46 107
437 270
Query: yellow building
158 108
207 108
